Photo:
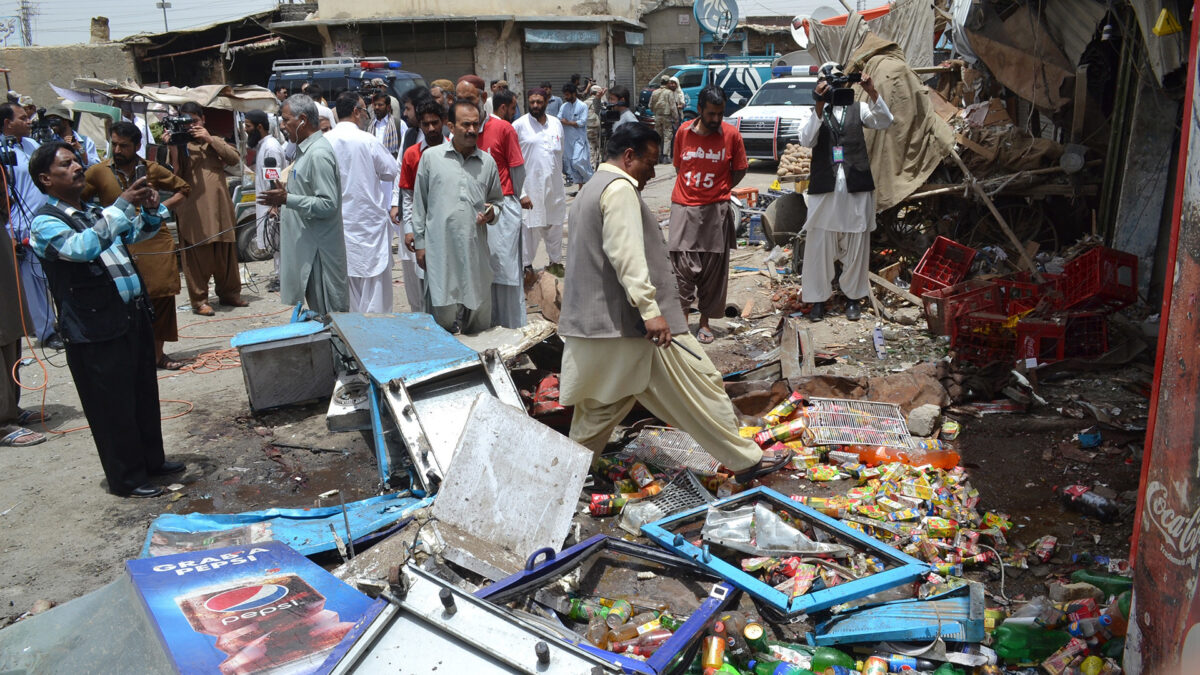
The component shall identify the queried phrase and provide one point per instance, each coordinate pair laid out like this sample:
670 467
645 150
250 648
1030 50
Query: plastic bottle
1111 584
824 657
584 610
1092 665
712 652
874 455
777 668
597 630
875 665
897 663
737 651
641 474
1029 612
1117 614
1084 500
1016 643
646 621
949 669
619 613
643 644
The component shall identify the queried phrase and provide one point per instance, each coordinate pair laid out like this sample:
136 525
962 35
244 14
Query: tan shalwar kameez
207 222
604 377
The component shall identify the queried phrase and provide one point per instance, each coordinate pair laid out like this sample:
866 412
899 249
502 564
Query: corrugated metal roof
1072 24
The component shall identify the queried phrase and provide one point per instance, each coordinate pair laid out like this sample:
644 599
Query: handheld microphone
270 172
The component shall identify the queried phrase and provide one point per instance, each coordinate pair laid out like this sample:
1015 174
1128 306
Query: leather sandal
765 466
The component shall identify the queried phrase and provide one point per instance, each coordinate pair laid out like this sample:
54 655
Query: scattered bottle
1018 643
713 652
1111 584
618 613
824 657
1084 500
777 668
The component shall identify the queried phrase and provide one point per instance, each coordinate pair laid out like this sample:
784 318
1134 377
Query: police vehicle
774 115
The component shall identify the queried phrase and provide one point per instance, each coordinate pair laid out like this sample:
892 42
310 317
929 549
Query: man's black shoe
854 310
168 468
144 491
817 313
53 342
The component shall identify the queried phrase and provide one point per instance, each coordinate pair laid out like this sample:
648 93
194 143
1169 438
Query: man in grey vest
623 326
841 191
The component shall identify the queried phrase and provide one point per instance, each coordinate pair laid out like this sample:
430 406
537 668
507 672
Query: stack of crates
1019 318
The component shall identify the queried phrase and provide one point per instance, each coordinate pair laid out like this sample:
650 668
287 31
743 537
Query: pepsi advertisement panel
261 608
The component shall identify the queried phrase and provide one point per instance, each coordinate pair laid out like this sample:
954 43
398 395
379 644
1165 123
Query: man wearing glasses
367 171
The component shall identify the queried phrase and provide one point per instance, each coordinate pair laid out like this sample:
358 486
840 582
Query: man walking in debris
206 221
454 198
621 318
267 153
541 138
577 161
497 138
154 257
104 314
432 119
841 193
666 114
710 159
312 247
367 172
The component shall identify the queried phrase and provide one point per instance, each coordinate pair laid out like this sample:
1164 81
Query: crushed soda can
1043 549
950 430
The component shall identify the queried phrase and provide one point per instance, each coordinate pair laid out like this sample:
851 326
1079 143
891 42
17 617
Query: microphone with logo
270 231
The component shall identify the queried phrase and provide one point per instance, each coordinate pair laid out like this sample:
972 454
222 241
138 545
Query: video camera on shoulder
40 129
840 92
180 127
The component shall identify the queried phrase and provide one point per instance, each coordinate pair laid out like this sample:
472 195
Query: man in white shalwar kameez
841 195
541 139
368 171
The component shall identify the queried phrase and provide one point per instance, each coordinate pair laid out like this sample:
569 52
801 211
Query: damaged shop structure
1034 201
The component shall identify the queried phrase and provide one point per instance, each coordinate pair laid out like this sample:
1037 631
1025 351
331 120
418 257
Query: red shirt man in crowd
710 159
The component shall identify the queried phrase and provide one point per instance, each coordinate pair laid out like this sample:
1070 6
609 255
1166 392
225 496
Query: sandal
704 336
165 363
13 439
765 466
32 417
203 309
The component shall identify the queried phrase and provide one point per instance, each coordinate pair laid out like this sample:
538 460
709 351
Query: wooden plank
808 353
789 349
987 153
889 286
987 201
748 309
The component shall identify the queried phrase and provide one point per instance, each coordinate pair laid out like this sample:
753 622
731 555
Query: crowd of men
472 188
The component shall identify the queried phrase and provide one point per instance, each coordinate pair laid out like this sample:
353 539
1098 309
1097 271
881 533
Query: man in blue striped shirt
104 314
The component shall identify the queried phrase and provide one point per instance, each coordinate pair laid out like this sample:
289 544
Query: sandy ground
64 535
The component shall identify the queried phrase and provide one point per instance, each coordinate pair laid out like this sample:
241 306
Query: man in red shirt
710 159
431 117
499 139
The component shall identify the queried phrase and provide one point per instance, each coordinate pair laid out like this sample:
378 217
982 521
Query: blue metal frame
535 574
381 450
909 568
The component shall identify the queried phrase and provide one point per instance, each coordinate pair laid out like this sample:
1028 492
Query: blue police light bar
794 71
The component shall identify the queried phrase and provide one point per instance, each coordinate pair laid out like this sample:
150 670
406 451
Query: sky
61 22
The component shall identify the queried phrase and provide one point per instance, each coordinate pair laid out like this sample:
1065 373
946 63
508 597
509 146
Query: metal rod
346 517
694 354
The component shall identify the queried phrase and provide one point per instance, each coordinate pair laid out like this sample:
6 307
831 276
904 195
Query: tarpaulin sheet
909 23
305 530
906 153
1023 56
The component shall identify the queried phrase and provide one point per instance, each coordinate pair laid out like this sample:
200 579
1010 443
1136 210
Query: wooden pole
987 201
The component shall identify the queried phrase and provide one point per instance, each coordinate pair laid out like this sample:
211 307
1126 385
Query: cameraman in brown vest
622 323
841 191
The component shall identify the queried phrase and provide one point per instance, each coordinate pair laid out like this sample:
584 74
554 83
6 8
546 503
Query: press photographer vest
823 172
90 308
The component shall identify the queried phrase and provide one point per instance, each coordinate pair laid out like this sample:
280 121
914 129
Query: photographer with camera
58 118
105 314
206 219
841 190
24 200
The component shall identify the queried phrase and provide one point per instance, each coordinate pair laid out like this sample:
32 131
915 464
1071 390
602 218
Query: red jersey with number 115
704 165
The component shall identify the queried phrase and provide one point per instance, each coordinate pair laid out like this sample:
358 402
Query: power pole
164 6
26 11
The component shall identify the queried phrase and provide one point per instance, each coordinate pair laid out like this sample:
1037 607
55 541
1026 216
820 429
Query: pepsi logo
246 598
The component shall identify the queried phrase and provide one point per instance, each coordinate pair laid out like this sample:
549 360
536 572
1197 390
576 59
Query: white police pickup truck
774 115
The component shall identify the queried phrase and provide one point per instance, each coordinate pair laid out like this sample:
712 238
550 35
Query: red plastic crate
1087 335
944 305
1102 279
1042 339
982 338
945 263
1019 293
